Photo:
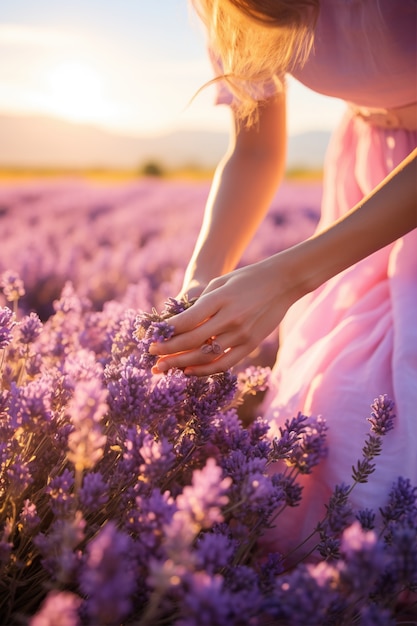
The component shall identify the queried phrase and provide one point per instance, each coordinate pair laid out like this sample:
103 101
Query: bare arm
386 214
243 187
243 307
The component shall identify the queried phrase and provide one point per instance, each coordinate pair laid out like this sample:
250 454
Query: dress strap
401 117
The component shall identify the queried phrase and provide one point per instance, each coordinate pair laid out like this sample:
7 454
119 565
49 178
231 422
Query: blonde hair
257 42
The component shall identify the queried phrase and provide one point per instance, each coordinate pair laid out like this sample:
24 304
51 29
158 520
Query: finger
183 360
205 308
206 351
200 363
191 340
225 362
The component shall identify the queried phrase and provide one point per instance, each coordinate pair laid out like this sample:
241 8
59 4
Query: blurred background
106 84
94 93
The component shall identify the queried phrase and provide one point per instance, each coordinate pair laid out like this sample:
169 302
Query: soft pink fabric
365 52
352 340
356 337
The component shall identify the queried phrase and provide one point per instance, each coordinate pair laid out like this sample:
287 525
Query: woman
350 333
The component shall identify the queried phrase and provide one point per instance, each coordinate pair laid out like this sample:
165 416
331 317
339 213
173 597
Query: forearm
386 214
242 190
241 194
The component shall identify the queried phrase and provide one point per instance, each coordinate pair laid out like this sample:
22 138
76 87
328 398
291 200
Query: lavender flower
254 496
305 596
172 306
128 389
289 437
159 520
30 328
229 434
18 477
201 502
382 416
29 517
253 380
7 321
158 457
94 491
69 300
60 493
402 501
108 577
166 395
121 336
310 447
80 365
366 518
291 490
363 560
159 331
30 405
339 510
12 286
270 569
205 602
59 548
214 552
146 521
86 410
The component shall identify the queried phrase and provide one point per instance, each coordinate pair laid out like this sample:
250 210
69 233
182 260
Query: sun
74 90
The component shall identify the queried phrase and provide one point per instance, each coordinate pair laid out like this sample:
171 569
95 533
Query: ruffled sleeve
224 94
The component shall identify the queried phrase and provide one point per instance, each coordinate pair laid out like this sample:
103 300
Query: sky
131 66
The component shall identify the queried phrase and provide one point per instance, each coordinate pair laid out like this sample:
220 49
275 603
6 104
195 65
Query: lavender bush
133 499
129 498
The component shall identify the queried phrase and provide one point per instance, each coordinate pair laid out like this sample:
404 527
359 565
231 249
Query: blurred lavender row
108 239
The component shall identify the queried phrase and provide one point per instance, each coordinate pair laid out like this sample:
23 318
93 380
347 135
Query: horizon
42 141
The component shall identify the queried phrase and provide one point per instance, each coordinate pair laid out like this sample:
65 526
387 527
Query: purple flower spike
94 492
30 406
12 286
254 379
29 517
311 446
108 577
159 331
30 328
382 416
206 602
7 321
18 477
60 492
86 410
402 501
363 559
202 500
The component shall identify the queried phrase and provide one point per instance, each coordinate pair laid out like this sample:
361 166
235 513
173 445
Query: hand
191 289
237 310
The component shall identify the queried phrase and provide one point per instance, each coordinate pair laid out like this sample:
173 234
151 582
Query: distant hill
40 141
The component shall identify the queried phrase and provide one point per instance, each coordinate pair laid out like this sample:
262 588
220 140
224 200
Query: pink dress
355 337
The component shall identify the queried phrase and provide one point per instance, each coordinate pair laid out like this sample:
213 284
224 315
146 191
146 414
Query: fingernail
160 368
152 349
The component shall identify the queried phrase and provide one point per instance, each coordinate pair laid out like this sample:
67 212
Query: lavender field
128 242
133 499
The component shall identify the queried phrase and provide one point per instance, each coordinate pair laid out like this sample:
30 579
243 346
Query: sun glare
74 90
